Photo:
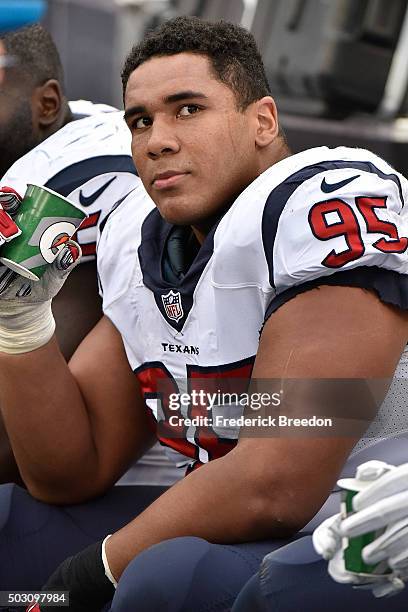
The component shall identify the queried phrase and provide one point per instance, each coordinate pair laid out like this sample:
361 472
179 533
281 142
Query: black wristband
83 575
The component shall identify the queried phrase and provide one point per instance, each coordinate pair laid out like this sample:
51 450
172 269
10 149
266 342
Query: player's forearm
223 501
46 419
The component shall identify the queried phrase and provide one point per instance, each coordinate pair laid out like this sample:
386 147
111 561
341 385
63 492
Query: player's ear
47 103
267 121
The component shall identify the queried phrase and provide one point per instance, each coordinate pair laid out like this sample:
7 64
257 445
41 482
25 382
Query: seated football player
234 260
82 151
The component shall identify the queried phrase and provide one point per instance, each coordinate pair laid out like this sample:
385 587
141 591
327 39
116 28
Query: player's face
16 124
194 150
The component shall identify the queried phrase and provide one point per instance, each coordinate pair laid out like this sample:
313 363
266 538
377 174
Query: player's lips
168 179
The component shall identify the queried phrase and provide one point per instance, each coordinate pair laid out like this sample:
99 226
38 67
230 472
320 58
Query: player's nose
162 139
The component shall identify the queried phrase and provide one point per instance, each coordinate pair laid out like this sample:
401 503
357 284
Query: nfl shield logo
172 305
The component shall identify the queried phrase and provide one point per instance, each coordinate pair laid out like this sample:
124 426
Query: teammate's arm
271 487
77 308
76 429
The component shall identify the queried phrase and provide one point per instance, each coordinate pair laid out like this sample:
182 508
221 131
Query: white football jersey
88 161
323 216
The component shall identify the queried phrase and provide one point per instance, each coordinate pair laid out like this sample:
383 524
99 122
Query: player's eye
141 122
188 109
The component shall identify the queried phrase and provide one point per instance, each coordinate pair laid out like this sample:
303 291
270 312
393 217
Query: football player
235 259
74 149
80 150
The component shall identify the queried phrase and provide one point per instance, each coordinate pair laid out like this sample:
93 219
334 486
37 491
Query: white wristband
27 328
108 572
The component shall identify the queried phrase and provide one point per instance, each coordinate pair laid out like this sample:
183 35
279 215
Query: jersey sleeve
32 167
340 223
96 196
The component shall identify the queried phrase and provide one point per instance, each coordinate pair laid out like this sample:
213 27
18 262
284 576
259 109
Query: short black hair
231 49
37 56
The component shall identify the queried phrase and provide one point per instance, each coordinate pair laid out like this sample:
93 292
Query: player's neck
279 152
200 231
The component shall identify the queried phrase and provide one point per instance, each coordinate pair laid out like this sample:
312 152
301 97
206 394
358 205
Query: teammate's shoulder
80 150
128 213
98 130
89 134
86 108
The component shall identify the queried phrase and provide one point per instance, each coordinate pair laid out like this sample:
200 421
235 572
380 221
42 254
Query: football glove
10 200
85 577
384 503
26 320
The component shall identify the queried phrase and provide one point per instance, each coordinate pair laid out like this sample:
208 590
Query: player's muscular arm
341 334
270 487
74 430
77 308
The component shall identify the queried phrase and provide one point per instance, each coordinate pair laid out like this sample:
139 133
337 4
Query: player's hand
382 504
26 320
83 575
327 543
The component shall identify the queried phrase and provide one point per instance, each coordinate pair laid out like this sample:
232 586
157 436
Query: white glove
26 320
382 504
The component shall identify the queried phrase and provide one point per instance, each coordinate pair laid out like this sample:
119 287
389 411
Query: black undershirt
180 250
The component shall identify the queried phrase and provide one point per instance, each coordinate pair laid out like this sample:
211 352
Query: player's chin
177 209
